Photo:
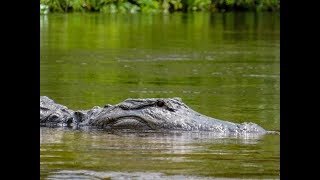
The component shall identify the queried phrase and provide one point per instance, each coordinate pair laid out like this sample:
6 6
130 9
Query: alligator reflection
204 154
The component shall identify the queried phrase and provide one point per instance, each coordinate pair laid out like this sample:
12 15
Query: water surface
67 153
222 65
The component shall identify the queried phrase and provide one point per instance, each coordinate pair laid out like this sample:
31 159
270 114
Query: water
222 65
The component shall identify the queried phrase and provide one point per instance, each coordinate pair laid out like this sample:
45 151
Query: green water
222 65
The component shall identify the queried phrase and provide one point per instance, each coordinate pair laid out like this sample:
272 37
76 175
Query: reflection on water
83 174
116 175
66 152
223 65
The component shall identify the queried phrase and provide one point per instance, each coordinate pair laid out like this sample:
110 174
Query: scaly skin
150 113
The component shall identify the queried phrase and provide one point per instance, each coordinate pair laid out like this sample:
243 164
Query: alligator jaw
126 122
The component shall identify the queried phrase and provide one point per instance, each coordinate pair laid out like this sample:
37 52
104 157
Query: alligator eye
160 103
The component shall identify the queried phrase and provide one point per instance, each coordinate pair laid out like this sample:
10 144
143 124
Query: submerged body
150 113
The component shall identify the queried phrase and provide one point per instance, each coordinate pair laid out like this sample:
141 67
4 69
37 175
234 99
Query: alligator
142 114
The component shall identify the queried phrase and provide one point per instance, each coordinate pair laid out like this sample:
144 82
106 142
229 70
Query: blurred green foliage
155 6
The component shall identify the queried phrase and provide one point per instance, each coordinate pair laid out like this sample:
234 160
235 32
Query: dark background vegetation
154 6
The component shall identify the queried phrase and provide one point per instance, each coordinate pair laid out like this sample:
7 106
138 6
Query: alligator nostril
160 103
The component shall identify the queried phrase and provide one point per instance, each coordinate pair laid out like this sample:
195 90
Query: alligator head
163 113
